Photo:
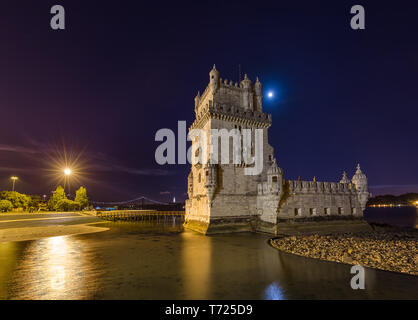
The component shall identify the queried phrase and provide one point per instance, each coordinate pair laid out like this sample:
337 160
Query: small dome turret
360 180
344 179
274 168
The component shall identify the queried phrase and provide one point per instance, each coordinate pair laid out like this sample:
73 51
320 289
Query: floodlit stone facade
222 198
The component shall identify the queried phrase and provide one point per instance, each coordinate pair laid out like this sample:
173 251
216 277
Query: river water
156 261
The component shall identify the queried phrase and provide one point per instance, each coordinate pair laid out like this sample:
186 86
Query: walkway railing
141 215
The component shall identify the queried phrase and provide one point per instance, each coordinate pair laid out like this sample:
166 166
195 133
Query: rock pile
392 251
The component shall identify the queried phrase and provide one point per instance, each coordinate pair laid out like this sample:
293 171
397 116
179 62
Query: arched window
200 178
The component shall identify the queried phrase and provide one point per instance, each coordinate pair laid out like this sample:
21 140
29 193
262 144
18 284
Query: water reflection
274 292
196 259
397 216
52 268
9 254
135 261
57 262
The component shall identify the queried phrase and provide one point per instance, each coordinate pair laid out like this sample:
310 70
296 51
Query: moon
270 94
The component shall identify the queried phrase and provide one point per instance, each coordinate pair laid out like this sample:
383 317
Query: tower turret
190 184
258 89
197 100
360 182
247 94
246 83
214 79
274 177
344 179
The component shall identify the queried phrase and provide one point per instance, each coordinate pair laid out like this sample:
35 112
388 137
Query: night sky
124 69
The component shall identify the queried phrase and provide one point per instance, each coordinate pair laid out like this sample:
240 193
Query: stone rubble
390 251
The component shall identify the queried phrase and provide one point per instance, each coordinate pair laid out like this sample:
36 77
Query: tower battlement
244 95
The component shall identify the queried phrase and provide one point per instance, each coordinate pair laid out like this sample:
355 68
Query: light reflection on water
196 257
52 268
142 261
274 292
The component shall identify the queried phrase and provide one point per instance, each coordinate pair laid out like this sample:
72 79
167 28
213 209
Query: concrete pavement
29 226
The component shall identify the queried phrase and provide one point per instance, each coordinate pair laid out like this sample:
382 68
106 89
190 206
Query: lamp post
14 179
67 173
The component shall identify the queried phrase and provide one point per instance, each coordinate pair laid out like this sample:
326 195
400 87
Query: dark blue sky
122 70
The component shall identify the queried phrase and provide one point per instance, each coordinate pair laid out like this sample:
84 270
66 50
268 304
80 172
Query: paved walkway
30 226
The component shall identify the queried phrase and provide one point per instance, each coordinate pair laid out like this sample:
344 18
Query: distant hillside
404 199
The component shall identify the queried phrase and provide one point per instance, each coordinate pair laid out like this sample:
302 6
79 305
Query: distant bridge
140 200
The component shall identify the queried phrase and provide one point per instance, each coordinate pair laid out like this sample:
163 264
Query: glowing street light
67 173
14 179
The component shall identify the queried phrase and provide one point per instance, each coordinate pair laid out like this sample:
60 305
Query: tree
81 197
5 206
67 205
17 199
34 203
58 195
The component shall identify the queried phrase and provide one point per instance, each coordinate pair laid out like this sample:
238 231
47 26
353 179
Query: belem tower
222 198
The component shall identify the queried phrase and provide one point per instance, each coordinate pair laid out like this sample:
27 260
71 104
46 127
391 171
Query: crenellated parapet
319 187
228 112
232 100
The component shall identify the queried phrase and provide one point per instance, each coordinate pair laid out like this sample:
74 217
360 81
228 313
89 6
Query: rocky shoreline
386 250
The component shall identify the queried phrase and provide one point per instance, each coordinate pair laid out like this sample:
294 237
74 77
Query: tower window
200 178
340 210
274 179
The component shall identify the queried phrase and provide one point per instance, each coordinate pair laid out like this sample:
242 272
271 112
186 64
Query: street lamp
67 173
14 179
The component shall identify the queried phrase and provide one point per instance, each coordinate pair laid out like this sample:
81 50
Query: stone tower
231 194
221 195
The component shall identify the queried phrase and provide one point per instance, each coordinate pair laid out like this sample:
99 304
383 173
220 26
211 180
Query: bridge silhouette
137 201
150 210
